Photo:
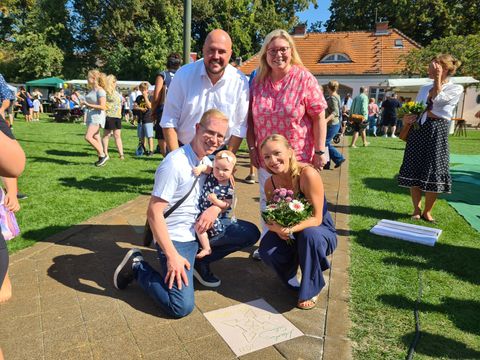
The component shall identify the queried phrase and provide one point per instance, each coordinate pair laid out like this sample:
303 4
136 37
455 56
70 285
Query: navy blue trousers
309 251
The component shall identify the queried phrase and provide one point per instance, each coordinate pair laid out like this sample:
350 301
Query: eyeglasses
212 134
282 50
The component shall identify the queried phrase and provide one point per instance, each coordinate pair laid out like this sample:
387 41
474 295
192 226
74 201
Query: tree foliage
464 48
129 38
422 20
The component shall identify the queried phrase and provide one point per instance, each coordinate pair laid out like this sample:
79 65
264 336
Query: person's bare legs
6 290
204 245
93 138
150 144
363 133
393 131
416 194
430 198
354 139
106 139
117 135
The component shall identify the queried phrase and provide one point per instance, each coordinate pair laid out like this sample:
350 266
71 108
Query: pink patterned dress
287 107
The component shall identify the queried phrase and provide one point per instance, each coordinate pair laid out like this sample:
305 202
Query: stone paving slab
64 305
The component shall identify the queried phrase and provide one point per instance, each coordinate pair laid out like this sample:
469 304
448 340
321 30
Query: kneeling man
172 289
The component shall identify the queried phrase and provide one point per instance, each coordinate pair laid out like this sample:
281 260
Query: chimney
300 30
381 28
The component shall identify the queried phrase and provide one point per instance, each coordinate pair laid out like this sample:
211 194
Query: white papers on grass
251 326
409 232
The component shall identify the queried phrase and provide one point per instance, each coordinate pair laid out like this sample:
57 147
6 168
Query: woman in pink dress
285 99
373 112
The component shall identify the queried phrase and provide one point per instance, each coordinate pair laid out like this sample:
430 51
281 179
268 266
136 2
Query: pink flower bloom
283 192
289 193
276 191
271 207
288 199
296 206
276 198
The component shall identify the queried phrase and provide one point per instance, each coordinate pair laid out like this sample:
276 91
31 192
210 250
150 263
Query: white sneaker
256 255
393 136
385 135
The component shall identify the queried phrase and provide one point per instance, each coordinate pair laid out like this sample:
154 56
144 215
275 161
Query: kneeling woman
315 237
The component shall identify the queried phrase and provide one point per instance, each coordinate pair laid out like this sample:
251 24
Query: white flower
296 206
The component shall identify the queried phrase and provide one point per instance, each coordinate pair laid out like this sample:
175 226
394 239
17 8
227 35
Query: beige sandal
312 301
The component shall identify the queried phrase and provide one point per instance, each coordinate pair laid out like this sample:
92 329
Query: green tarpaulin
46 83
465 196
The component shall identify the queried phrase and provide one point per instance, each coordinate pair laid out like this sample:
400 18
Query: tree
464 48
422 20
316 26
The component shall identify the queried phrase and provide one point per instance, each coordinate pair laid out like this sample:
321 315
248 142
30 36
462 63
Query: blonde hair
448 62
226 154
294 168
333 85
264 69
213 113
110 84
143 86
100 78
372 100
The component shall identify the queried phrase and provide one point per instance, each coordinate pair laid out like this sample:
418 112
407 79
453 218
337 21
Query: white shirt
191 93
36 105
173 180
132 97
444 103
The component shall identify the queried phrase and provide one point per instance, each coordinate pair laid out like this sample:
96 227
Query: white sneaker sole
121 266
204 283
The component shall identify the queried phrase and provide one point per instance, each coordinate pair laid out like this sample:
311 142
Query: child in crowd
218 191
143 106
36 108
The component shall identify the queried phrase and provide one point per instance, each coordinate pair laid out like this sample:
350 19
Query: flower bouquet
285 210
412 108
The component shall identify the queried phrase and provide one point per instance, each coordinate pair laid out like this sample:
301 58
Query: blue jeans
372 124
179 303
335 155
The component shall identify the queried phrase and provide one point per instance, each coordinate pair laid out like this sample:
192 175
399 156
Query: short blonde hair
143 86
333 85
448 62
213 113
264 69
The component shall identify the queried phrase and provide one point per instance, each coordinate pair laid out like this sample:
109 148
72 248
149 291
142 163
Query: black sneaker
250 179
337 165
102 160
124 274
21 196
202 273
149 153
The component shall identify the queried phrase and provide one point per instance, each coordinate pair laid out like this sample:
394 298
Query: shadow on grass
66 153
385 185
108 184
437 346
459 261
53 160
463 313
91 253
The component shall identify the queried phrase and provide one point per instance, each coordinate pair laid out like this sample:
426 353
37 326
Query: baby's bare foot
6 290
203 253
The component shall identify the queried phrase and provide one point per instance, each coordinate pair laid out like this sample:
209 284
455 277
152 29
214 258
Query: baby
218 191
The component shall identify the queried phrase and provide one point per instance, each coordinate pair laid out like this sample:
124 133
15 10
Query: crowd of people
200 114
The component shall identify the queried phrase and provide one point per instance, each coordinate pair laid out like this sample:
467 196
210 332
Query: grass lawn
63 186
385 272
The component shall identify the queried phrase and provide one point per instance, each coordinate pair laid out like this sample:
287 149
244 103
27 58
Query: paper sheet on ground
251 326
409 232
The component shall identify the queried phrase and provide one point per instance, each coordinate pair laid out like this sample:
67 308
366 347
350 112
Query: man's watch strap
319 152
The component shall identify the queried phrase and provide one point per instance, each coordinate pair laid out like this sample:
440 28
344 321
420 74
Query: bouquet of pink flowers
285 210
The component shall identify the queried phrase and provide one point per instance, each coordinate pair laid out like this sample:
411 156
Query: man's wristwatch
319 152
251 148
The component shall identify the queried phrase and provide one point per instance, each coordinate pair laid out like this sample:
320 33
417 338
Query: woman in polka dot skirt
425 166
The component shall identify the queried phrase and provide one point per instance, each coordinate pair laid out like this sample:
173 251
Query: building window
399 43
377 93
336 58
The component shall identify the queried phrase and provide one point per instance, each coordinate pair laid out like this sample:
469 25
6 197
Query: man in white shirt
207 84
172 288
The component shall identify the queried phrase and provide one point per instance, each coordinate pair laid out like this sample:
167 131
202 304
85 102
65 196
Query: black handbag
147 232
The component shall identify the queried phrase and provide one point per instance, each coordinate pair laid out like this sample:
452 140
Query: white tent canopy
415 83
122 84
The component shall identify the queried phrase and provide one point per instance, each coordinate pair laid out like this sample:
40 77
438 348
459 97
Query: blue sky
321 13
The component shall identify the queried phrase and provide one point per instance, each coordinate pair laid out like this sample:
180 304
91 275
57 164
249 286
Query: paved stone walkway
65 306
